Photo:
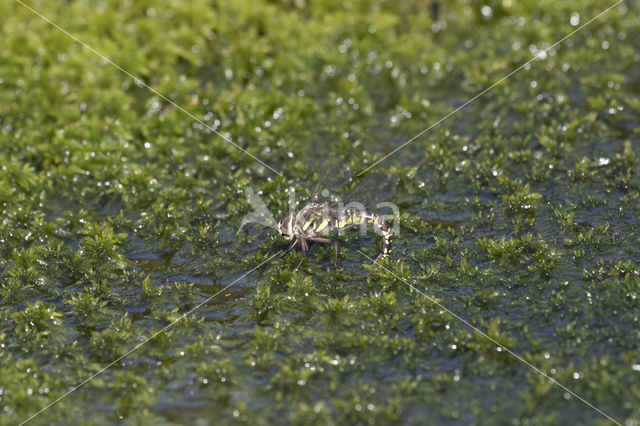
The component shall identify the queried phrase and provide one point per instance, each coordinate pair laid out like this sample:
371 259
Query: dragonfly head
285 227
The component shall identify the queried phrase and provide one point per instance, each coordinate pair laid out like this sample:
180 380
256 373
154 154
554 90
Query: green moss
120 214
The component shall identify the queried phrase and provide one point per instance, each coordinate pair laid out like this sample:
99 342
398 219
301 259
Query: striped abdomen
351 218
321 221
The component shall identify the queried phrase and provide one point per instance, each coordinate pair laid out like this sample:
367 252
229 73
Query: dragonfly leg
336 248
305 250
292 246
321 239
329 241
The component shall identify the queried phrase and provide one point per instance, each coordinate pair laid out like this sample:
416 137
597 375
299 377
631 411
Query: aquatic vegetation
120 214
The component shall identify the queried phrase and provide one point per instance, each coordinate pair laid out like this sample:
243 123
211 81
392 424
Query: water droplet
575 19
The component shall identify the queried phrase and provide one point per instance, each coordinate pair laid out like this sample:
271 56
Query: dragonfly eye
284 227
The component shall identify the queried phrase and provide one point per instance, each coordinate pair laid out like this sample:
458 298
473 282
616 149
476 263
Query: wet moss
120 214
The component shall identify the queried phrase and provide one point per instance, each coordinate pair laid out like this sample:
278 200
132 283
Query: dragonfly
330 213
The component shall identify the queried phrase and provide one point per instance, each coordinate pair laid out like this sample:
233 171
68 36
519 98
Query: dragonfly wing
334 174
371 189
337 186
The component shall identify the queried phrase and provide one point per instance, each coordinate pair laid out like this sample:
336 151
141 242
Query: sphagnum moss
119 214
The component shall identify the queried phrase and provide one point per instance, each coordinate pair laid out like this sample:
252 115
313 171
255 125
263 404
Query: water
519 214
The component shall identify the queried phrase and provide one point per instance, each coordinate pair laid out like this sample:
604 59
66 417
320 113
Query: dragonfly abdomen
350 218
316 220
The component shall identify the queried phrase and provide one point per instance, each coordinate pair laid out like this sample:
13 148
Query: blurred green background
520 213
